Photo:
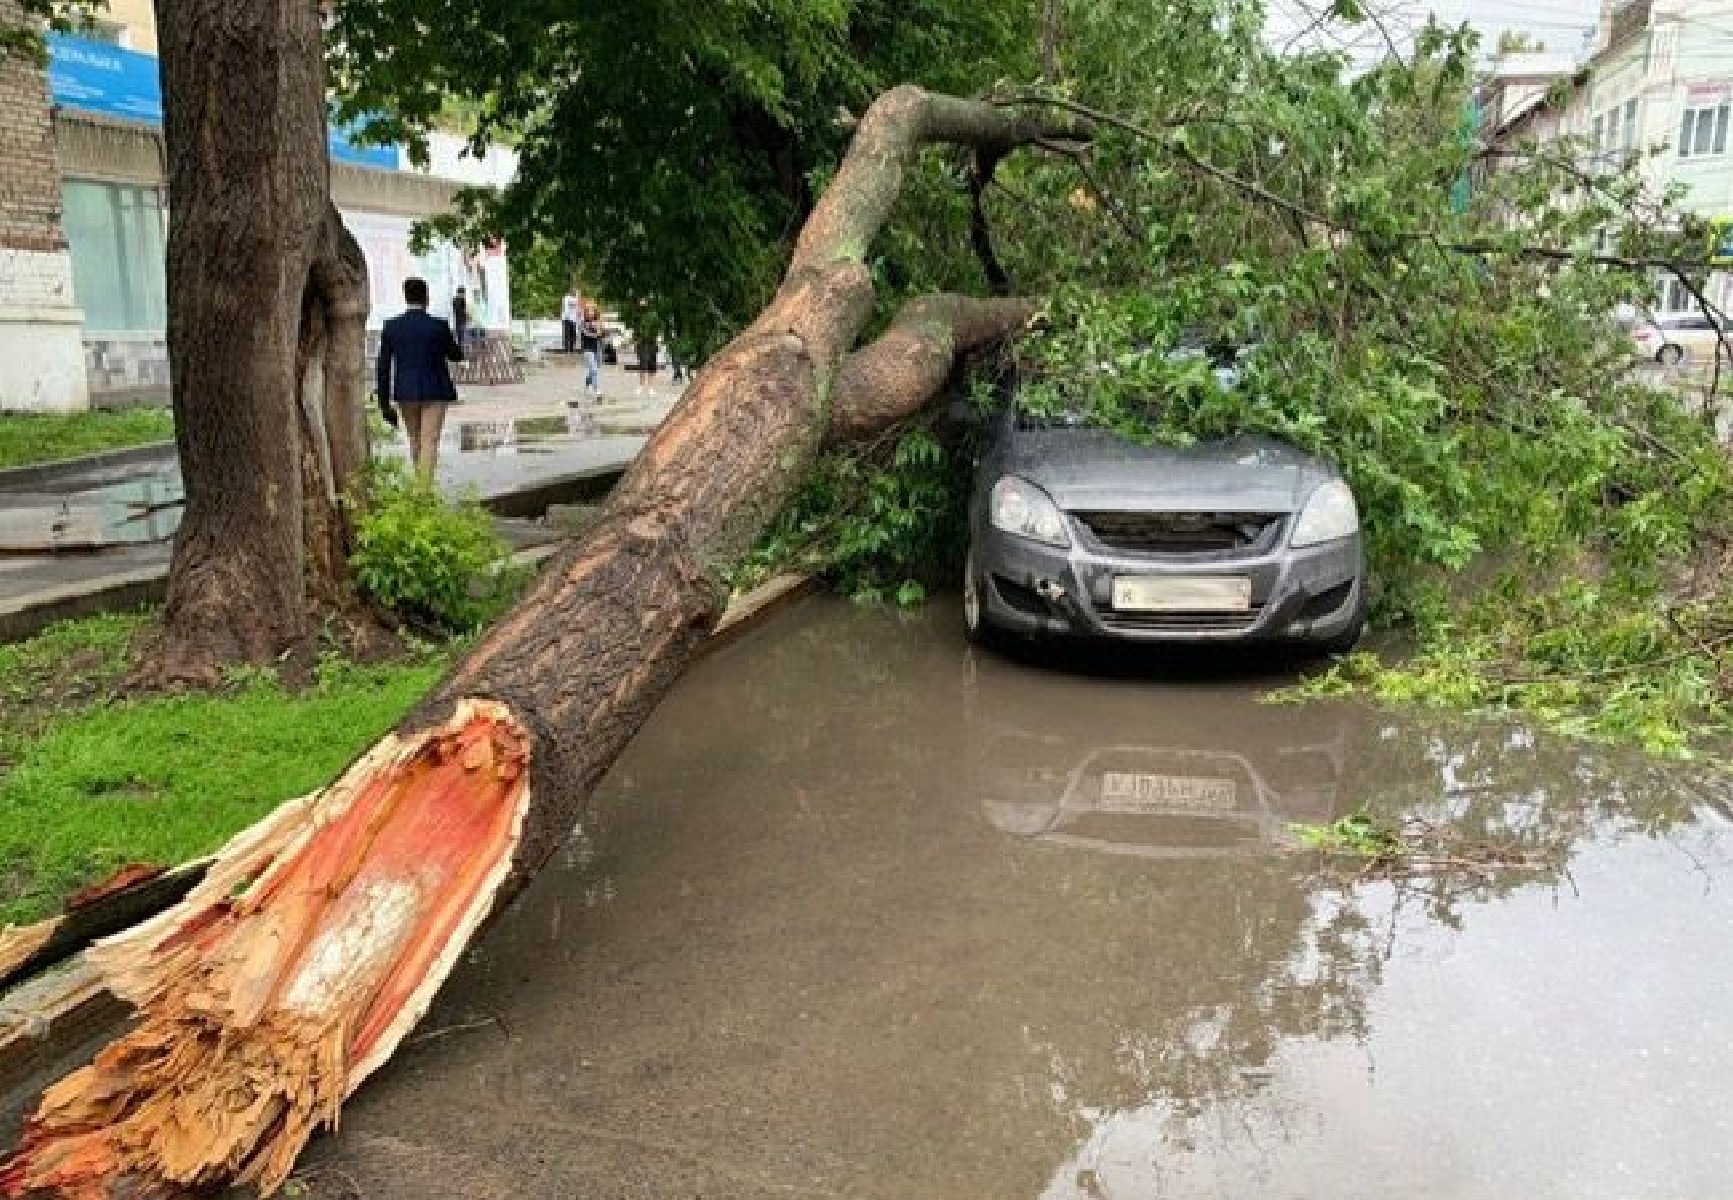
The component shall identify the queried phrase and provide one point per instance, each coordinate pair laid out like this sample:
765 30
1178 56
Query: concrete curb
66 1008
18 479
33 612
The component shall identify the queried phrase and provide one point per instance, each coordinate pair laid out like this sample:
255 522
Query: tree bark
331 392
1052 33
261 287
273 990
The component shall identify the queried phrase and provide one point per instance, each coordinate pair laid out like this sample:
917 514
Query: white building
1657 86
1660 83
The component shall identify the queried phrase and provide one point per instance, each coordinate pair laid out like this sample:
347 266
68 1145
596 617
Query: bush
438 565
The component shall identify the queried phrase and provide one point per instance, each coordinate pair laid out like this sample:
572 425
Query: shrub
436 564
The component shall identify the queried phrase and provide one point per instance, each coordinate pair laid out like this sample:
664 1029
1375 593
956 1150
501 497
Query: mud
866 914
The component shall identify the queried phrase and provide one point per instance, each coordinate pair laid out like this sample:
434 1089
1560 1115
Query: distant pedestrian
570 315
460 315
413 375
590 337
646 360
678 372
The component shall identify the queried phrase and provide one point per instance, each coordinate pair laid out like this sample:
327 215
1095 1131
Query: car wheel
1670 356
975 626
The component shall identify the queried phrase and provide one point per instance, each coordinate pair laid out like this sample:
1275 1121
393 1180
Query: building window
115 233
1676 297
1630 124
111 33
1703 131
1596 138
1615 137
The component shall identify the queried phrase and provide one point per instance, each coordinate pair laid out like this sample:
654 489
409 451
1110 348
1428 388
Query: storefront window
118 256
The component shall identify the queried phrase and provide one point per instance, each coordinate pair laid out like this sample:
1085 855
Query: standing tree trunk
1052 33
322 933
266 314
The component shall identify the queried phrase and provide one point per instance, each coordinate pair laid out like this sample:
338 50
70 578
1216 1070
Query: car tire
975 626
1670 356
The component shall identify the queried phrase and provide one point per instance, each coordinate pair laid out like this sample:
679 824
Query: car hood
1091 469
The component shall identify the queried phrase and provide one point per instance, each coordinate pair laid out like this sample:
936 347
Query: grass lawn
27 438
91 781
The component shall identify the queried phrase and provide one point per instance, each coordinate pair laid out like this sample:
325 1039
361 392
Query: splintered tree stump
291 973
321 934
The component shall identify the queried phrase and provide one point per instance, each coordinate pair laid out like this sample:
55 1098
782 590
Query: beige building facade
83 221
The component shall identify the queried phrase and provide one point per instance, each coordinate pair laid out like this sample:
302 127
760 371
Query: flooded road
866 914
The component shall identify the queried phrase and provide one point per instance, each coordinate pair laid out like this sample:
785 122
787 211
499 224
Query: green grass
27 438
96 781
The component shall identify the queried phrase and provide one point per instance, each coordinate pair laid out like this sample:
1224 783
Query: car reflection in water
1143 772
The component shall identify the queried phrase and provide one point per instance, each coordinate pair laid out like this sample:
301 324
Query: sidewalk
98 538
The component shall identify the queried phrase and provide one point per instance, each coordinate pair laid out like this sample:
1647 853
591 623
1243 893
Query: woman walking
590 339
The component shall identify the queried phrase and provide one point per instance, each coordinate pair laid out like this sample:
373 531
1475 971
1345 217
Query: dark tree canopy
670 150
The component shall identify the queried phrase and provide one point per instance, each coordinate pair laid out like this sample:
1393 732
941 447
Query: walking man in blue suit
414 352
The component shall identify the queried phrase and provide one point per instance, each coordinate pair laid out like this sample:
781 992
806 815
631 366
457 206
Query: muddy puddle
128 505
866 914
544 434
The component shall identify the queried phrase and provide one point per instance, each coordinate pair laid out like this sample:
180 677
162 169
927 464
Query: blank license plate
1181 593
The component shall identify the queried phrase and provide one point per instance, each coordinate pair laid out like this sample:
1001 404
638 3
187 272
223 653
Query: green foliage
540 278
1458 360
63 16
92 779
27 438
70 663
883 520
441 566
1359 834
669 149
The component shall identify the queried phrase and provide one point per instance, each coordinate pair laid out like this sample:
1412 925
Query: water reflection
134 508
546 434
1104 777
1237 1094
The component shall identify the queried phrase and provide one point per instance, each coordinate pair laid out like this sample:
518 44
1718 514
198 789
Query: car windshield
1227 362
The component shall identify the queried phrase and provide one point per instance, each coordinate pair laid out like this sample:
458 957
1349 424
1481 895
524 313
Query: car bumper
1310 594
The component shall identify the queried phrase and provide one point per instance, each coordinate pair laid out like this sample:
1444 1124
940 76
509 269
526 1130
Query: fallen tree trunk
322 933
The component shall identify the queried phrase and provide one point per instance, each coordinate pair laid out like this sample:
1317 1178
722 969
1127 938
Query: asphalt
866 913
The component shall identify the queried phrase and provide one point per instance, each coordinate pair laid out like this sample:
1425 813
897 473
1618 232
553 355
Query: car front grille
1181 532
1181 622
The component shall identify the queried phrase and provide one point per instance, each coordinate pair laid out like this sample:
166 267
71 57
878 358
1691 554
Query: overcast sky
1562 25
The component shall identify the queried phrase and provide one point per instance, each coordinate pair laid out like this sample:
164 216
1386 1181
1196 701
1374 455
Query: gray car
1077 532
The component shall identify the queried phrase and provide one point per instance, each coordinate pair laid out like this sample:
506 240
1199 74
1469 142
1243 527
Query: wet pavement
864 913
74 534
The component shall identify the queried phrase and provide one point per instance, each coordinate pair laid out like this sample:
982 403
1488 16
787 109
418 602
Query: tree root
290 974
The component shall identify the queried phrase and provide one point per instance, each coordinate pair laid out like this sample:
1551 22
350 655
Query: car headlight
1021 508
1330 514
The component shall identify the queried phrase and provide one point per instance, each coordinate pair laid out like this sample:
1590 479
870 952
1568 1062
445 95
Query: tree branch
895 376
980 229
1256 191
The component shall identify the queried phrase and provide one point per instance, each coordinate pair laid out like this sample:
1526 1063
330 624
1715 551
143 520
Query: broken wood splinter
290 974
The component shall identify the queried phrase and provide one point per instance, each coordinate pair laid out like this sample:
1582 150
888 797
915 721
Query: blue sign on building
344 149
98 78
95 77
